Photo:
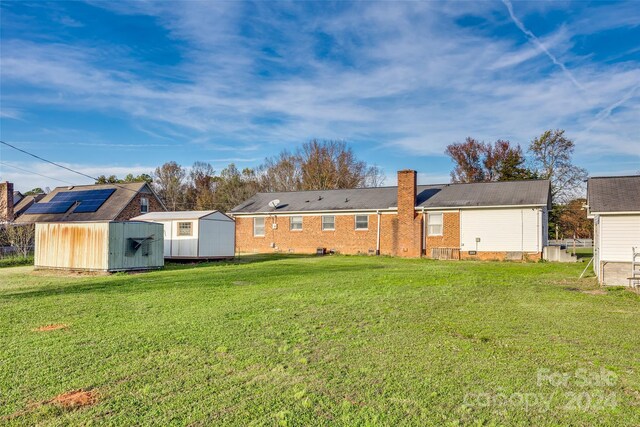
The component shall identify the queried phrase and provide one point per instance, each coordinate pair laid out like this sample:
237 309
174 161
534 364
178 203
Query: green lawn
321 341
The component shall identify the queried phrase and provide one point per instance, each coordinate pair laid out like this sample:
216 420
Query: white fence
569 243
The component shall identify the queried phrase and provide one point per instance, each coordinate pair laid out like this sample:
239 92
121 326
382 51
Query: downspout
424 231
378 233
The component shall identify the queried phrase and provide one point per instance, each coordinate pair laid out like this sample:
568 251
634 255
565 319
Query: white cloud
404 75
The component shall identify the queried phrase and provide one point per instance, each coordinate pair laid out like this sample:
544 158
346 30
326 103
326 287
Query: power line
48 161
61 166
35 173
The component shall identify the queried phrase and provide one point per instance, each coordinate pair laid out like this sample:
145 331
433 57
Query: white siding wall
502 230
617 235
217 236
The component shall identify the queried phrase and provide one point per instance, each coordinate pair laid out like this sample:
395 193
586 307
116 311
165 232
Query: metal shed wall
121 257
76 246
97 246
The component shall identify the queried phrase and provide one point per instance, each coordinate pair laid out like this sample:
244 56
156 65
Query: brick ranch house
492 220
127 201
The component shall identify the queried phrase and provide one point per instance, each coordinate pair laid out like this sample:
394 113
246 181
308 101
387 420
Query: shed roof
109 210
507 193
159 216
614 194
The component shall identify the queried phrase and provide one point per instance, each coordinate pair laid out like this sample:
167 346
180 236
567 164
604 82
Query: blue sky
118 87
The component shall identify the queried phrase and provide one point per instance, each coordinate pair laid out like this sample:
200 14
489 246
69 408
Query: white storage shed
195 234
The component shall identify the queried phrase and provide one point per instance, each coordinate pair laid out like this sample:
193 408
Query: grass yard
321 341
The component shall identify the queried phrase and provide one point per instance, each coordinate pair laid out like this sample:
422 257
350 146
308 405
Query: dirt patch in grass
51 327
69 400
75 399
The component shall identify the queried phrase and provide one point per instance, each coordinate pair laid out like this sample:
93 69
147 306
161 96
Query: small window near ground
258 227
295 223
362 222
434 221
328 222
144 205
185 229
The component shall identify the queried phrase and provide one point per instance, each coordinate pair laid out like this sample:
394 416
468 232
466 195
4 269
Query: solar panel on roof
90 200
50 208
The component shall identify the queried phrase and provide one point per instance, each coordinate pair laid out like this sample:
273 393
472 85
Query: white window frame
295 221
355 220
144 205
256 227
333 223
431 226
180 229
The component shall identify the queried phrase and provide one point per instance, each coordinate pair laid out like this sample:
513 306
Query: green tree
34 191
552 158
477 161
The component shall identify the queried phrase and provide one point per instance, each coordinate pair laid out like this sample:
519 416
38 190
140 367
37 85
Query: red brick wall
450 233
409 222
133 208
344 239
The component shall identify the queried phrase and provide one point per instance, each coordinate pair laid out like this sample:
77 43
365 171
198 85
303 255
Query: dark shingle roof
107 212
503 193
614 194
511 193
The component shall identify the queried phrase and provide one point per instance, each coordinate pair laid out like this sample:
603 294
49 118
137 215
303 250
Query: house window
258 227
185 229
328 222
144 205
362 222
434 224
295 223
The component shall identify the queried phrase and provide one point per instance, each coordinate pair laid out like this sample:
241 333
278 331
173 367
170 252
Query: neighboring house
614 205
100 202
494 220
195 234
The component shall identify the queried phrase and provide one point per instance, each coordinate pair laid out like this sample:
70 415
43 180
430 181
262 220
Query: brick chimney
409 226
6 202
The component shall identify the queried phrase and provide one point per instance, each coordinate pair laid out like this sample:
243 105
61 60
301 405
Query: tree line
549 157
316 165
